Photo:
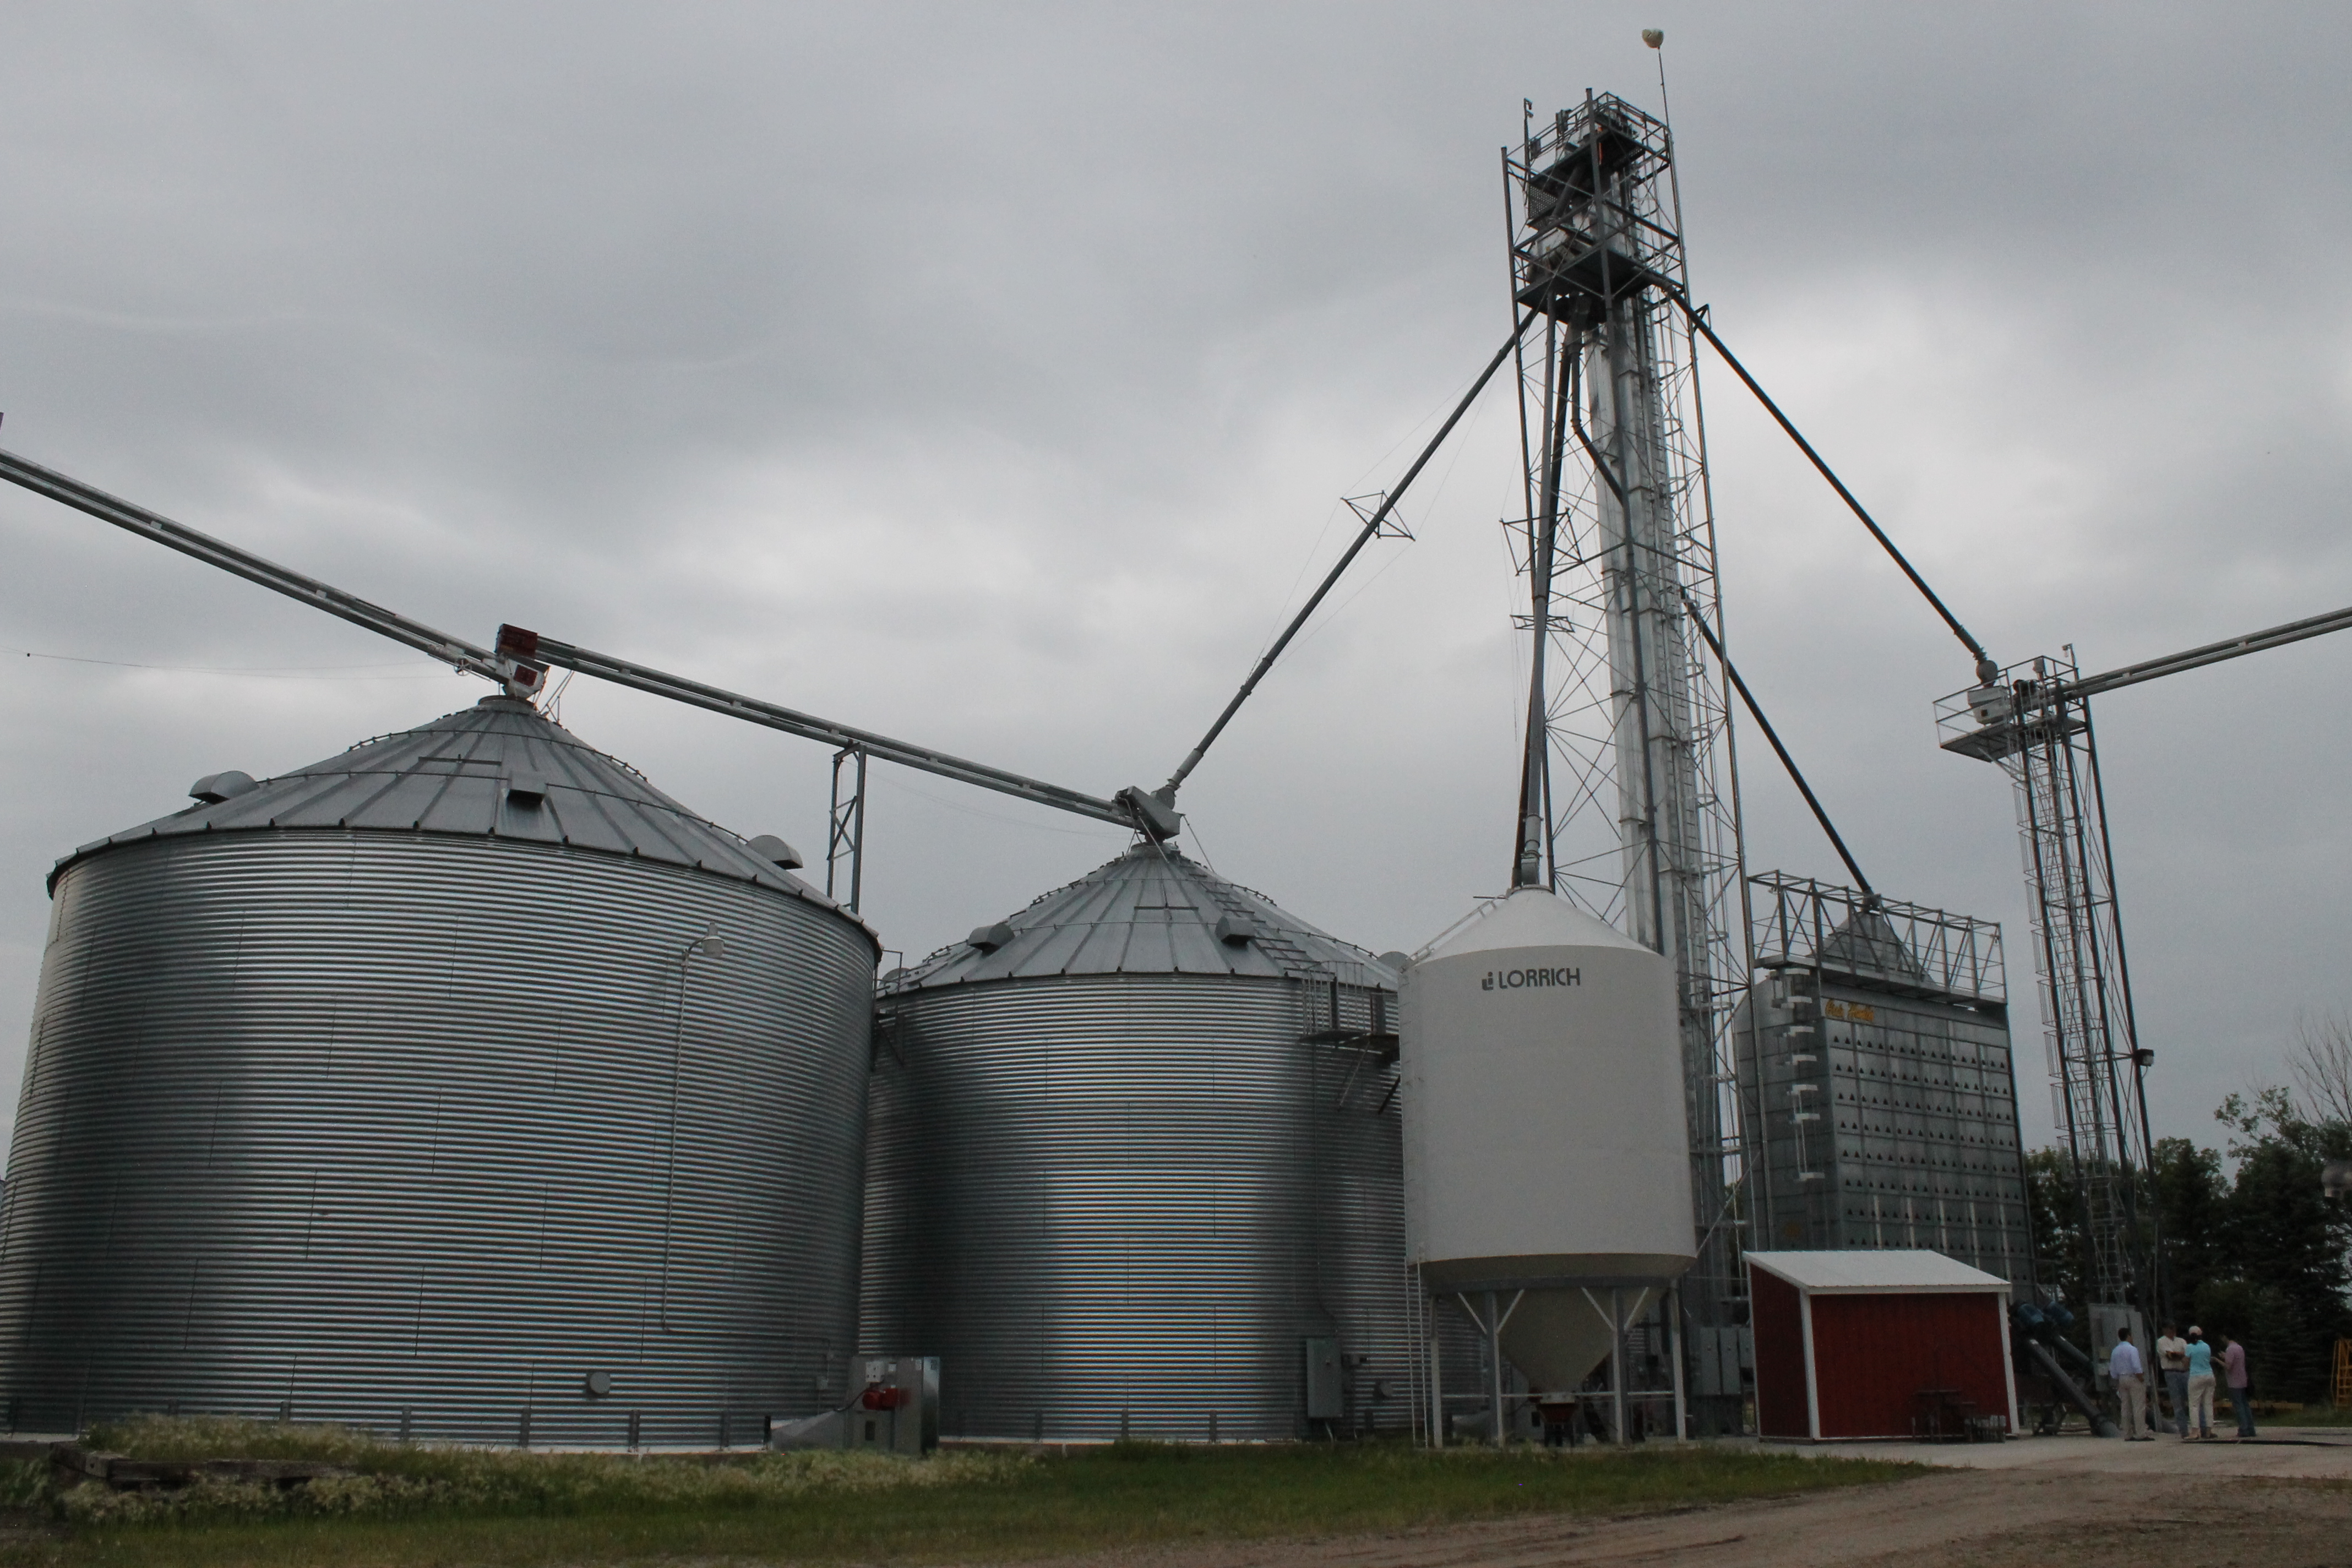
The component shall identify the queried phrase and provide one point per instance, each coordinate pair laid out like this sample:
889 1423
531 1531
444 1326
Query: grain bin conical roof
498 769
1150 912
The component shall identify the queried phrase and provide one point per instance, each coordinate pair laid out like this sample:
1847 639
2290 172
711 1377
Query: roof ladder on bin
1250 925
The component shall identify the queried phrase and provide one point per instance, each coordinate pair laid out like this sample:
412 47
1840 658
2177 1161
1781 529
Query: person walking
2234 1377
2201 1382
2131 1385
2172 1360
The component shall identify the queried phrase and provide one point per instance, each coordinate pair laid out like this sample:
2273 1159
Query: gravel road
2053 1502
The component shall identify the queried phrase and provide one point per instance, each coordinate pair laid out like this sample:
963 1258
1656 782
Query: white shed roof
1856 1273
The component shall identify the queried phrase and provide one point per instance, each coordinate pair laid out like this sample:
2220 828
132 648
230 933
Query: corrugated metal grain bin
1136 1170
1878 1344
463 1085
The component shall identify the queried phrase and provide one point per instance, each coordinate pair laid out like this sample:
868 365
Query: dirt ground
2033 1503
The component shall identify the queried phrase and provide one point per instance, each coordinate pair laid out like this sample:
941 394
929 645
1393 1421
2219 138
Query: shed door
1780 1404
1874 1355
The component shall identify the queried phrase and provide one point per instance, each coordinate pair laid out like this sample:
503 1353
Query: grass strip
501 1508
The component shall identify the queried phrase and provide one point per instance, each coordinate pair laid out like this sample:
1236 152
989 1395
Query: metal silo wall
380 1130
1119 1205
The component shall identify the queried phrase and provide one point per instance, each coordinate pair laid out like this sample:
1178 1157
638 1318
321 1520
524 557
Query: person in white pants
2201 1382
2131 1385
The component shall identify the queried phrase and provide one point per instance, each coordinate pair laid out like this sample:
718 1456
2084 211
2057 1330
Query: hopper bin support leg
1494 1367
1492 1326
1617 1361
1436 1380
1674 1357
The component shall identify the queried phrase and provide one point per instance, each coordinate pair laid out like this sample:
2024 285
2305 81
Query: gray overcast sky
988 375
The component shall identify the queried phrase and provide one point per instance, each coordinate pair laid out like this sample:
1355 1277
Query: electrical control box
894 1404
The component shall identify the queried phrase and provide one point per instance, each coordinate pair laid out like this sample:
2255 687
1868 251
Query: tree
2320 1064
2285 1245
2258 1251
2192 1200
2055 1217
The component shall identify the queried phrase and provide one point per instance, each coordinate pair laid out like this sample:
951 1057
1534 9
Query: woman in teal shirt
2201 1383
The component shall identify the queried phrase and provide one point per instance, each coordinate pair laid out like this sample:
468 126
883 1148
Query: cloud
990 377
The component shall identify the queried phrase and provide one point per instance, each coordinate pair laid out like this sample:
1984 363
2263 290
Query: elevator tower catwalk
1628 802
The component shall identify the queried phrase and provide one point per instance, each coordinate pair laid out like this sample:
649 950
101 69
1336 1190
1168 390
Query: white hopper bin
1546 1146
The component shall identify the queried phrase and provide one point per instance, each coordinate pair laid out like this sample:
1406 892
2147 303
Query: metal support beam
845 834
2211 653
1494 1370
774 716
1436 1380
1365 535
1755 711
515 662
456 652
1696 315
1491 1325
1617 1360
1674 1354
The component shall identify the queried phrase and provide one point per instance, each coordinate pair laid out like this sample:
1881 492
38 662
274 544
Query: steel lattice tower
2037 728
1629 803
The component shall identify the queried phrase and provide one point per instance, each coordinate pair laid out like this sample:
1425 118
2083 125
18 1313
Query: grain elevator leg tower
1628 804
2035 725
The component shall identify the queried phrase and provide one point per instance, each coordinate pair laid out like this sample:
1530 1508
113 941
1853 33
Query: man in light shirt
2131 1385
2233 1370
2172 1360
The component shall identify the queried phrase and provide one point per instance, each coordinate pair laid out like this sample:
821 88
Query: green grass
2308 1416
437 1506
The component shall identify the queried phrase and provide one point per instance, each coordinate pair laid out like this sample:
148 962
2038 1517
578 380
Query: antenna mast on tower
1628 801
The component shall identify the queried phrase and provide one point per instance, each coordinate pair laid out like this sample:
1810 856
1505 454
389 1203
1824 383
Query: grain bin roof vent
988 939
213 788
772 847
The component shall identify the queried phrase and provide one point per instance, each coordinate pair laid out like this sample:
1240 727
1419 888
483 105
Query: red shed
1876 1344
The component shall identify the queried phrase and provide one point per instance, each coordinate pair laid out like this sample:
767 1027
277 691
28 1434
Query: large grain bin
1135 1169
463 1085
